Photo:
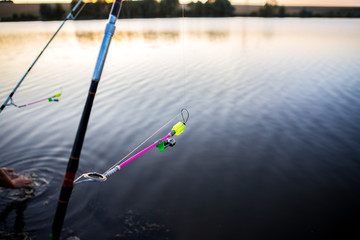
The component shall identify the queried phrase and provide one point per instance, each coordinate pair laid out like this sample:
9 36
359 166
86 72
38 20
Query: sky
348 3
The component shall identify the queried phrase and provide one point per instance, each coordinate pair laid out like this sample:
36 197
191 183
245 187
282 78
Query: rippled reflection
272 142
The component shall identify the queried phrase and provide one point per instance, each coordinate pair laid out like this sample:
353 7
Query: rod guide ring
95 176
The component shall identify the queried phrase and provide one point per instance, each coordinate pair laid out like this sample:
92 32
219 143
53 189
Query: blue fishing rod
73 163
70 16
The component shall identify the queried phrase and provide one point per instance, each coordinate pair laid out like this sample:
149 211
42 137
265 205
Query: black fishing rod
74 159
70 16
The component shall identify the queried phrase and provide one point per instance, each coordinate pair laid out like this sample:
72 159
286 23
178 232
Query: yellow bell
178 128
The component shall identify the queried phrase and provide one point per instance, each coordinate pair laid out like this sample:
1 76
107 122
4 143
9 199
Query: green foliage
271 9
158 9
196 9
149 8
172 8
282 11
304 13
169 8
139 9
47 12
268 10
222 8
219 8
98 10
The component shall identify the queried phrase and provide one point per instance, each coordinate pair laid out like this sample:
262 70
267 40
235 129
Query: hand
10 172
21 182
10 179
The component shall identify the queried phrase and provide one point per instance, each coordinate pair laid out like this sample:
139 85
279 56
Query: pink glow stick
37 101
143 151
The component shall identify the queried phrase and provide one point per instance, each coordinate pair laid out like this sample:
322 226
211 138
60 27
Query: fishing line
182 52
161 144
77 14
70 16
74 159
54 98
185 72
147 139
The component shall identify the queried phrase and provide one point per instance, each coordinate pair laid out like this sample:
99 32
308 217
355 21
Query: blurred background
29 10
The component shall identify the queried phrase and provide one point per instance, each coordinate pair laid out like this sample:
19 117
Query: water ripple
274 116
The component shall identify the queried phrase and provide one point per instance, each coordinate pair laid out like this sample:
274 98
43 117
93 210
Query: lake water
271 149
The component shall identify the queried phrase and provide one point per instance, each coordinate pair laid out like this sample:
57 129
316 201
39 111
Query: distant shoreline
303 11
32 12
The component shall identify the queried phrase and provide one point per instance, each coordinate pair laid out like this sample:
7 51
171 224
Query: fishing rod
70 16
73 163
161 144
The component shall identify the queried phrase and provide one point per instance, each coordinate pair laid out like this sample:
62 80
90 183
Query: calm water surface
272 147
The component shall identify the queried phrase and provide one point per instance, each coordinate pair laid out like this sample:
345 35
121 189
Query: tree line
272 9
212 8
170 8
159 9
134 9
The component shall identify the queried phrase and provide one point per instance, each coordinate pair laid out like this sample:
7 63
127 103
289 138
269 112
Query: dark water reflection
271 151
17 231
